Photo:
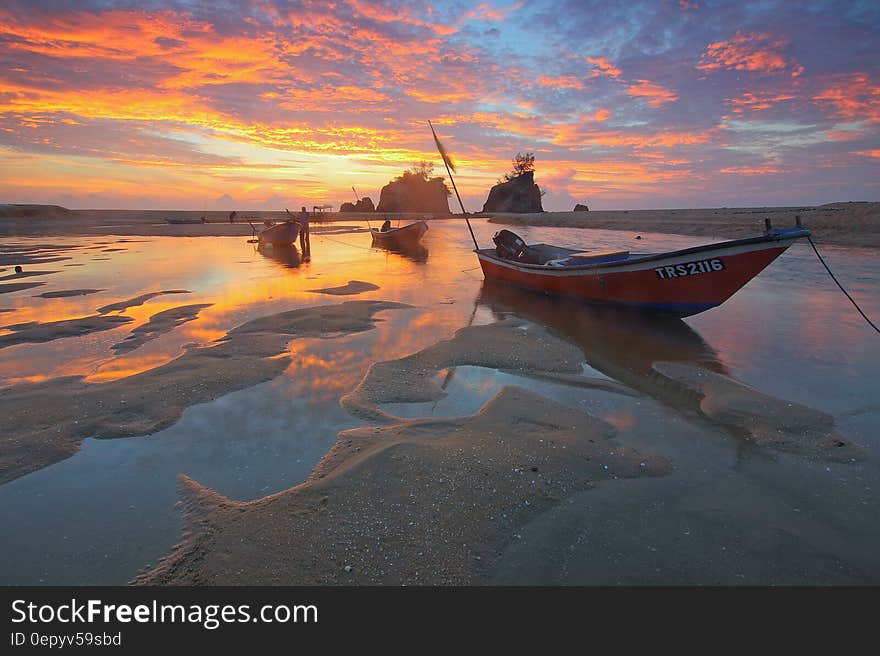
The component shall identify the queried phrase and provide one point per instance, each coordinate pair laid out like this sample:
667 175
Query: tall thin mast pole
446 163
358 198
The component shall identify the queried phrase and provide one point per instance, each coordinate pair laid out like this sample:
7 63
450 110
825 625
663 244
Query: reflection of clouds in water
468 388
107 511
211 268
249 443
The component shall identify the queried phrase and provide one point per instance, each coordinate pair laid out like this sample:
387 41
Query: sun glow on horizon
296 102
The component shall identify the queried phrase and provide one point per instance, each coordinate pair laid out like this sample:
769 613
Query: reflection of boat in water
407 237
664 358
280 234
621 343
680 283
287 256
416 252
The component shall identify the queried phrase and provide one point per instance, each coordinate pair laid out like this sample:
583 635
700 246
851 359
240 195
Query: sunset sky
262 104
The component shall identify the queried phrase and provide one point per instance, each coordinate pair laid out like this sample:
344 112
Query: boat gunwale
634 260
392 231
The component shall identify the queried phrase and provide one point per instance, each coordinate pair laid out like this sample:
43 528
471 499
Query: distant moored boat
182 221
400 238
280 234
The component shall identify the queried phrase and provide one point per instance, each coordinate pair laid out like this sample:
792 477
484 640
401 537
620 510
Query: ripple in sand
8 288
138 300
28 274
68 292
350 288
36 332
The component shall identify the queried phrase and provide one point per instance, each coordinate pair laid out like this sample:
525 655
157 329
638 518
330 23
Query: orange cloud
486 12
603 67
655 94
578 132
852 97
751 170
843 135
746 52
561 82
383 14
752 102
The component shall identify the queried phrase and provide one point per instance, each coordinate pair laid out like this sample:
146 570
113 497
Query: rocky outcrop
580 208
413 193
518 195
365 204
36 211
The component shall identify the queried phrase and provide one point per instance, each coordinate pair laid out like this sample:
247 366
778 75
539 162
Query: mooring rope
345 243
831 273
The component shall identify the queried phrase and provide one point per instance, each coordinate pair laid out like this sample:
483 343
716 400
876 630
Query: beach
846 224
182 406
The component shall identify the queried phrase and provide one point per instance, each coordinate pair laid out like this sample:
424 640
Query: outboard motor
509 245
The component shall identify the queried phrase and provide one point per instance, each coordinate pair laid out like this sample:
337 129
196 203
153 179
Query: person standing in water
305 246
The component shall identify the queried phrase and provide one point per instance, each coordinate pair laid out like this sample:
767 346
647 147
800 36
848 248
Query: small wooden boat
400 238
680 283
280 234
186 221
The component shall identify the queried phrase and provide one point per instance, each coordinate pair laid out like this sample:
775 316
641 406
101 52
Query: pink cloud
561 82
603 67
486 12
655 94
851 97
757 102
748 52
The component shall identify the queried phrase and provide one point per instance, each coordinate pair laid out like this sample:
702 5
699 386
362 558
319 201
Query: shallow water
730 512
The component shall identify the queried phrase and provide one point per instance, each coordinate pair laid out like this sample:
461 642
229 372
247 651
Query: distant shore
846 224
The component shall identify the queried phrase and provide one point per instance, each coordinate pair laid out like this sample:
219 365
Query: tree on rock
516 191
415 190
523 164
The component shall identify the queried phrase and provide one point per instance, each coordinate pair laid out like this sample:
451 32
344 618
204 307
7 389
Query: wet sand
8 288
352 287
36 332
26 274
69 292
505 346
439 501
159 324
422 502
137 300
45 422
399 500
768 421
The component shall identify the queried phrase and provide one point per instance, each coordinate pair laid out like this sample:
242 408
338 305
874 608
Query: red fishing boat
680 283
